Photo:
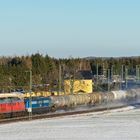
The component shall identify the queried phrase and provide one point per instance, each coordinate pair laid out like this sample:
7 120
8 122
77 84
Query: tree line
14 71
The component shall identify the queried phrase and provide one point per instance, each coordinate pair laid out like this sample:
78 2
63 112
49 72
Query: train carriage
38 104
11 106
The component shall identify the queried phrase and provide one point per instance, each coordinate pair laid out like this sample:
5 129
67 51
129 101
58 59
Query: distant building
81 82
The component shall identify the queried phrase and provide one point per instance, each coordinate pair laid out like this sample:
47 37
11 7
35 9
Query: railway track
41 116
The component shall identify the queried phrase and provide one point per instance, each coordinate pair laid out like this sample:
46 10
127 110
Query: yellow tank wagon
36 94
43 94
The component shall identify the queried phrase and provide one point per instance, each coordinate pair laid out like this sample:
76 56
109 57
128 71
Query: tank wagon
70 101
119 95
133 95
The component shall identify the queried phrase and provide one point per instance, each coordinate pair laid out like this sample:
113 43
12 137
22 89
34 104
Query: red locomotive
11 105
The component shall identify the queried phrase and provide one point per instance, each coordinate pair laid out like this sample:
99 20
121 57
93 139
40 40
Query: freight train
11 106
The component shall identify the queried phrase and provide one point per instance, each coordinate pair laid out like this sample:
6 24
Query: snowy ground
120 124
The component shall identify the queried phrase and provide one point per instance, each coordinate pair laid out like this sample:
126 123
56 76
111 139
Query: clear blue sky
63 28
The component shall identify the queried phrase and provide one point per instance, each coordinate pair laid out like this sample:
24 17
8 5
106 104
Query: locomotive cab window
5 100
1 100
15 99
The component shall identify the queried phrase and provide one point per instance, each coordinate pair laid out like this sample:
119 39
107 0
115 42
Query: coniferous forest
15 71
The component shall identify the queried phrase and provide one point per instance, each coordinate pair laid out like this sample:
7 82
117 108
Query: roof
83 74
6 95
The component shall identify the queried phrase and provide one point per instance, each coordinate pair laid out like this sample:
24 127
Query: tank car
69 101
133 95
108 97
59 101
101 98
95 98
119 95
82 99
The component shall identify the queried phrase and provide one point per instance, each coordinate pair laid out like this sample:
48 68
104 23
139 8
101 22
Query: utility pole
137 73
108 81
121 80
112 72
30 112
60 79
97 77
126 76
30 97
71 85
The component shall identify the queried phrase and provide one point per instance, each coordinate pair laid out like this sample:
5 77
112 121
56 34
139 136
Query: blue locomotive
38 104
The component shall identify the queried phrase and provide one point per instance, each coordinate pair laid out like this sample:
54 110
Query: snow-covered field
120 124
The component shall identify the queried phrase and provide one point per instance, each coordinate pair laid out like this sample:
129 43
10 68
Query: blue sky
64 28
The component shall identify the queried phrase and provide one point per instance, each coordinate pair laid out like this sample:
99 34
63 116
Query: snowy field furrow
119 124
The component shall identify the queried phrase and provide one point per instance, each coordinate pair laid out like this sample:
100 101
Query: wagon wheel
2 116
53 109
